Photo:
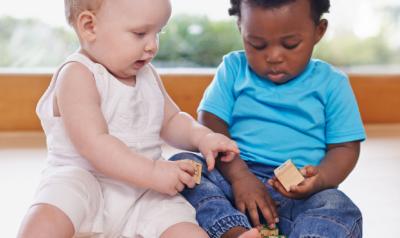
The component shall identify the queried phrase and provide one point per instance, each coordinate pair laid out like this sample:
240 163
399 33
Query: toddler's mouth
276 76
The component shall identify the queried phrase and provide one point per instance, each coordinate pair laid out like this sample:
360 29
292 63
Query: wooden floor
374 185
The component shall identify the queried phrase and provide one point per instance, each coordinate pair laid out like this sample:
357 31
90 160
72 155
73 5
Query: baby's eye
140 34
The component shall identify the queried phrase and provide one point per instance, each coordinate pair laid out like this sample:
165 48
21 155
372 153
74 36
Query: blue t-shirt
296 120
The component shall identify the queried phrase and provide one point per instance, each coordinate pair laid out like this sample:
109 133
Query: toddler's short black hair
318 7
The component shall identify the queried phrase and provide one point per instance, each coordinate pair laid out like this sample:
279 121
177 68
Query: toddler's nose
274 56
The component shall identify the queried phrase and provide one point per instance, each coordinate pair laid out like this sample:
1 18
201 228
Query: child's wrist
324 181
239 175
153 172
198 141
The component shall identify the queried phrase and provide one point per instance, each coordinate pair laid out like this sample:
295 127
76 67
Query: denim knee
212 199
225 224
329 213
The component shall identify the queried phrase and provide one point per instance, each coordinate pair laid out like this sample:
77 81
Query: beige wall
378 96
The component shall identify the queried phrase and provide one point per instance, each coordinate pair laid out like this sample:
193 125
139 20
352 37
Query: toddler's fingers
302 188
252 210
279 187
308 171
241 207
269 212
273 181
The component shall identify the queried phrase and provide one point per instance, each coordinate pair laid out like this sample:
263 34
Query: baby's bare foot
253 233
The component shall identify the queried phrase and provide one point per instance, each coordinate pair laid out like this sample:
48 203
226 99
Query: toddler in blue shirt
277 104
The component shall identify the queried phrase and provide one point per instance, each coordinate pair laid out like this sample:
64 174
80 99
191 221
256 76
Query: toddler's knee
339 208
187 155
334 199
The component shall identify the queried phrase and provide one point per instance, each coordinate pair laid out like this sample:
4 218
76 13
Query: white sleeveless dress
99 206
133 114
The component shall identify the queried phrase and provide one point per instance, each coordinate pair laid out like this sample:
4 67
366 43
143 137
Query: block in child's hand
197 171
266 231
288 175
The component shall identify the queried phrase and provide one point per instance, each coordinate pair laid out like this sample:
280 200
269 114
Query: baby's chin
126 75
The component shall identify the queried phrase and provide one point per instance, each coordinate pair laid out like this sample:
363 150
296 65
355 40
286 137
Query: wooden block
269 233
266 231
288 175
197 172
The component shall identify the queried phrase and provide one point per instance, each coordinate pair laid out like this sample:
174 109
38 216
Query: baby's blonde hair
74 7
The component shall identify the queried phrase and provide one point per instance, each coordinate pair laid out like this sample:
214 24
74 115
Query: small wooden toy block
197 171
288 175
267 232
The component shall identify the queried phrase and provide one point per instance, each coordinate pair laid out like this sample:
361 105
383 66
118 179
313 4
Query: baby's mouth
139 63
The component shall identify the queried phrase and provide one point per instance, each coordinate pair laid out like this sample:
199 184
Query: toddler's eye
258 46
291 46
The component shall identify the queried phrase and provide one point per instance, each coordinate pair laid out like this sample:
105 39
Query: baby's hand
171 177
312 183
212 144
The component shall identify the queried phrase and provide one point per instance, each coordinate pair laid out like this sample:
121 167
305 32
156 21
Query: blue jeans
329 213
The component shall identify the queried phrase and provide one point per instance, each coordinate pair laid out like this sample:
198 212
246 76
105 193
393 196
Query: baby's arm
78 103
182 131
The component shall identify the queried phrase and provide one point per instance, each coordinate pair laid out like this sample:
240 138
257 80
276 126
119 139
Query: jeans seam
201 202
354 227
224 224
348 232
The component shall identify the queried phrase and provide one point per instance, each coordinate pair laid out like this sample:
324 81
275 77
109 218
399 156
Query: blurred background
363 39
363 35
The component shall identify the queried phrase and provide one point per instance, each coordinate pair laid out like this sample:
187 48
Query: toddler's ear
85 25
320 30
238 23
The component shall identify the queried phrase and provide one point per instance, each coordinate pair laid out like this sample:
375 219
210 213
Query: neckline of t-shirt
301 77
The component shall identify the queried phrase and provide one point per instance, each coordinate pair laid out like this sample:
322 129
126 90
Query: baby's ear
320 30
85 25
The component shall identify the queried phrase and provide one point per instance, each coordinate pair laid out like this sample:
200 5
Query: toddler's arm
250 194
78 103
339 161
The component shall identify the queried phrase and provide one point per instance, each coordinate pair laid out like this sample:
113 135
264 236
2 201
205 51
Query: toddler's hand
212 144
171 177
312 183
251 196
